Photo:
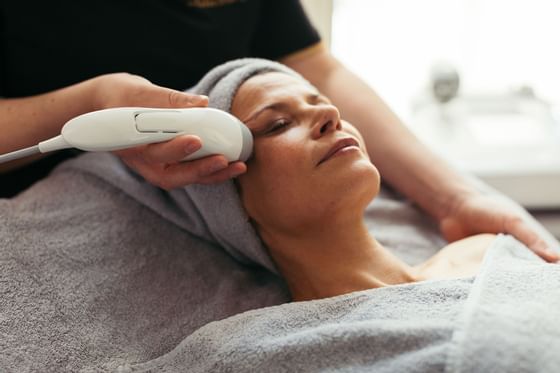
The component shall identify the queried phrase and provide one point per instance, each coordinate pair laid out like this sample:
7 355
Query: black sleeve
283 29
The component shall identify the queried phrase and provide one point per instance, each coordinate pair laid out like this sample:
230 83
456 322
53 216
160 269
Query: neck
337 258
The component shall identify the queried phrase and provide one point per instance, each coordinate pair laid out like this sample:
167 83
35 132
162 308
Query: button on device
159 121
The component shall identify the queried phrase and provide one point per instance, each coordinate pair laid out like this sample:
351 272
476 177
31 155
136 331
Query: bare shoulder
479 241
458 259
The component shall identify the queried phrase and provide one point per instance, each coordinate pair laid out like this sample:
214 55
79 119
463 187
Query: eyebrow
276 106
279 106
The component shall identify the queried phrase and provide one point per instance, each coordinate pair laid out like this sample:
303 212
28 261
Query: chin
371 180
358 182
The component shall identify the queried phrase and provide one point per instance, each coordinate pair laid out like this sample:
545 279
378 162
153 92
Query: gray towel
404 328
510 322
506 321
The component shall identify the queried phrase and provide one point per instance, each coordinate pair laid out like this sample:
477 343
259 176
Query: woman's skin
307 200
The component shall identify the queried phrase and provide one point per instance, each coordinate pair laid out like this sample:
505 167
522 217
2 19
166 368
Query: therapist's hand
160 163
477 213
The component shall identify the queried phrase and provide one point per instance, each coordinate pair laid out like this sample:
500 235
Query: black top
45 45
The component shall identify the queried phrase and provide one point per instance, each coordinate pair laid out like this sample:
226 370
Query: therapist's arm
27 121
406 163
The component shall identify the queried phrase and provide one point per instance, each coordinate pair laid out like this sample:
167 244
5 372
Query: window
494 44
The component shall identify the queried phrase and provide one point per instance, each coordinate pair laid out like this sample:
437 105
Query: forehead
270 86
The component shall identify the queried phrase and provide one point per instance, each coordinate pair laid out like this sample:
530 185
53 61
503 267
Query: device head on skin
126 127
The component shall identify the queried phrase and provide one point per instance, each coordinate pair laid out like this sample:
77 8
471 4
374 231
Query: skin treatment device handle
121 128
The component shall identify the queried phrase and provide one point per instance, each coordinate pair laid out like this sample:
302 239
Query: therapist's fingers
518 228
161 163
233 170
171 151
155 96
175 175
122 89
213 169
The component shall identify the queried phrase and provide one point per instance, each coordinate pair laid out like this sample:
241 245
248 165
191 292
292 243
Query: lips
340 144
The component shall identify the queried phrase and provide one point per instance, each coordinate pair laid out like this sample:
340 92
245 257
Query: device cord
19 154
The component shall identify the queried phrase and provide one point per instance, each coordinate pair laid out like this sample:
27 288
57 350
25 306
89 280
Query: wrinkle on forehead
266 89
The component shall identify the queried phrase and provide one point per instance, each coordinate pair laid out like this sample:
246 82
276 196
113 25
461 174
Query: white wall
495 44
320 12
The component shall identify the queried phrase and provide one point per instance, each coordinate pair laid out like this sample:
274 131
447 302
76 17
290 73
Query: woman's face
307 163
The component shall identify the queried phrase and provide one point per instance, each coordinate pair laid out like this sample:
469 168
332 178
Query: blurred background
477 80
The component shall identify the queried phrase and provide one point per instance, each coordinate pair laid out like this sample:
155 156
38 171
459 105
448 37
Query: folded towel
510 322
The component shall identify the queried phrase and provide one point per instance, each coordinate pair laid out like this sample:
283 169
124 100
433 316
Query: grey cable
19 154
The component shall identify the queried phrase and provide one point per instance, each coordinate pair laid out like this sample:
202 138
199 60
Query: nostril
326 126
337 126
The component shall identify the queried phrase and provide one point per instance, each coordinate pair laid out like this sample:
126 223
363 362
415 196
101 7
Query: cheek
281 158
275 178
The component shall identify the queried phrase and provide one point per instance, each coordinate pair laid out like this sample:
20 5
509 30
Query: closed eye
277 126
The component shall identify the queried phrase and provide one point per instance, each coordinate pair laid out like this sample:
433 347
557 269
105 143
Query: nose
326 120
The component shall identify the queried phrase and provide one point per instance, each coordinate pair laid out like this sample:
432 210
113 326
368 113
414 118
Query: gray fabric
222 82
405 328
99 269
505 322
218 214
510 322
91 278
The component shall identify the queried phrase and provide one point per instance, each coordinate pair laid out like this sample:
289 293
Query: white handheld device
125 127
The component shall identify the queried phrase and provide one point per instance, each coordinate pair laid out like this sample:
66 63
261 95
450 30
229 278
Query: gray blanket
100 273
504 321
